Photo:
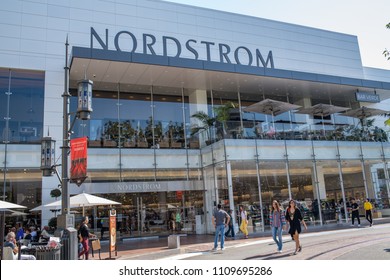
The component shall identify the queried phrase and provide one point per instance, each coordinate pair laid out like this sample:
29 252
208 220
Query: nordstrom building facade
191 107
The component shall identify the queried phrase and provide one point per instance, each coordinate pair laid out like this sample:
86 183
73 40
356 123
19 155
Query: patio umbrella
322 110
271 107
9 205
82 200
364 113
12 213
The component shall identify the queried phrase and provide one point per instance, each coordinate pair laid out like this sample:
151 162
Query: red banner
78 158
112 230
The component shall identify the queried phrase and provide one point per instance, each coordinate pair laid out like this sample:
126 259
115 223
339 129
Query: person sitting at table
44 236
19 232
34 234
28 235
11 242
271 132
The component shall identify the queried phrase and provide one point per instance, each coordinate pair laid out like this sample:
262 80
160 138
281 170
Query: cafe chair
8 254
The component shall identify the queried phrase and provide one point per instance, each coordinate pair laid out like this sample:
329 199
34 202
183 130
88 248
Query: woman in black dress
294 218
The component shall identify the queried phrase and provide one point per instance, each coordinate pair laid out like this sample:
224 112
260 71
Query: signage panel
367 97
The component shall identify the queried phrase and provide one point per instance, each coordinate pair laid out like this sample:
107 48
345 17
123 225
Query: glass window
25 108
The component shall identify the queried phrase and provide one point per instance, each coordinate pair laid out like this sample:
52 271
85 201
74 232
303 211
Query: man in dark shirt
220 221
231 227
355 212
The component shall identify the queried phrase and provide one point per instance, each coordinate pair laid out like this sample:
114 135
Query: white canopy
80 200
9 205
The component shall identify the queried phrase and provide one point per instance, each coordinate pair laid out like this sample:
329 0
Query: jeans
85 248
277 231
219 230
230 231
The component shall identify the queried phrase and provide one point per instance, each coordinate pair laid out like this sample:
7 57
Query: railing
293 131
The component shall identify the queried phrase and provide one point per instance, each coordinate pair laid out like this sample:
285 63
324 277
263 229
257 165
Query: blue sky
363 18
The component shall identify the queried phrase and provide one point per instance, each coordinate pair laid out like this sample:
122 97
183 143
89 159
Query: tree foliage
55 193
386 52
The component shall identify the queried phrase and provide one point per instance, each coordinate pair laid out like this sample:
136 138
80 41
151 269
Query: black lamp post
48 167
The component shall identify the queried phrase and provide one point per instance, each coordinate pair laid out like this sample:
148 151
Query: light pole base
65 220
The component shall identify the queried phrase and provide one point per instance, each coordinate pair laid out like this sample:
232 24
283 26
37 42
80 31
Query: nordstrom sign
172 47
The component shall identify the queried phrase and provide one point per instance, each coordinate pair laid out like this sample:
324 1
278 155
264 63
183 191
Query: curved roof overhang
137 72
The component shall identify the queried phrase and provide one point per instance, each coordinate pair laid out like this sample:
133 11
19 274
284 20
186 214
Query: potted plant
206 123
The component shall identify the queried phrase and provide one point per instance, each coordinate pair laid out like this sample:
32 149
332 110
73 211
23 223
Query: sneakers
280 251
214 249
358 225
223 249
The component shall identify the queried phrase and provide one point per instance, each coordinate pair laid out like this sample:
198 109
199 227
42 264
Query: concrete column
197 103
369 181
197 100
321 183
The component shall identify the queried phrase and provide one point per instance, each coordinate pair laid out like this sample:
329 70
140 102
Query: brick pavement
150 248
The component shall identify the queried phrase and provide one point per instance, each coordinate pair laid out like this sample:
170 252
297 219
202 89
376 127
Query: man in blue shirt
220 221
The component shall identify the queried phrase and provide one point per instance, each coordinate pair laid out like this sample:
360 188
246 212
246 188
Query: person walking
294 218
355 212
368 208
244 221
84 233
230 232
220 220
277 221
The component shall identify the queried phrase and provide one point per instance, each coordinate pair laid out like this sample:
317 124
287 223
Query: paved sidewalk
153 248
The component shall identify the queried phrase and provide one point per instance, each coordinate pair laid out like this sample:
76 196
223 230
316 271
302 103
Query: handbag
96 244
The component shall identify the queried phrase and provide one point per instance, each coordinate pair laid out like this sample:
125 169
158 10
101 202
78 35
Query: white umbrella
9 205
82 200
12 213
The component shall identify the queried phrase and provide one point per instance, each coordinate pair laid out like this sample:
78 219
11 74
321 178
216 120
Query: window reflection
25 105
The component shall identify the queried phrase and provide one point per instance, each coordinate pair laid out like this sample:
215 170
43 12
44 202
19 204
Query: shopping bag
96 244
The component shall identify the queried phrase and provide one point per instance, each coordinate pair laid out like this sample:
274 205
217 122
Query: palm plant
205 124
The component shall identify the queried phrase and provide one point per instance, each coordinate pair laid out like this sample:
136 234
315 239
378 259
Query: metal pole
341 181
120 127
386 172
287 169
363 169
258 178
316 181
65 136
185 133
5 141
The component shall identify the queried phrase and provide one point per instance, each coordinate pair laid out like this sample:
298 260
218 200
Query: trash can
69 249
47 253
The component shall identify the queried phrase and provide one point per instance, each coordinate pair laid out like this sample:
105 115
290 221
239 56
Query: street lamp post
48 166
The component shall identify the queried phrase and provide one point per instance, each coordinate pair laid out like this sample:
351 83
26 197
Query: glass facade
21 105
148 136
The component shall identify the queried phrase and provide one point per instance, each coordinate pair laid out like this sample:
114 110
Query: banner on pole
112 227
78 159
